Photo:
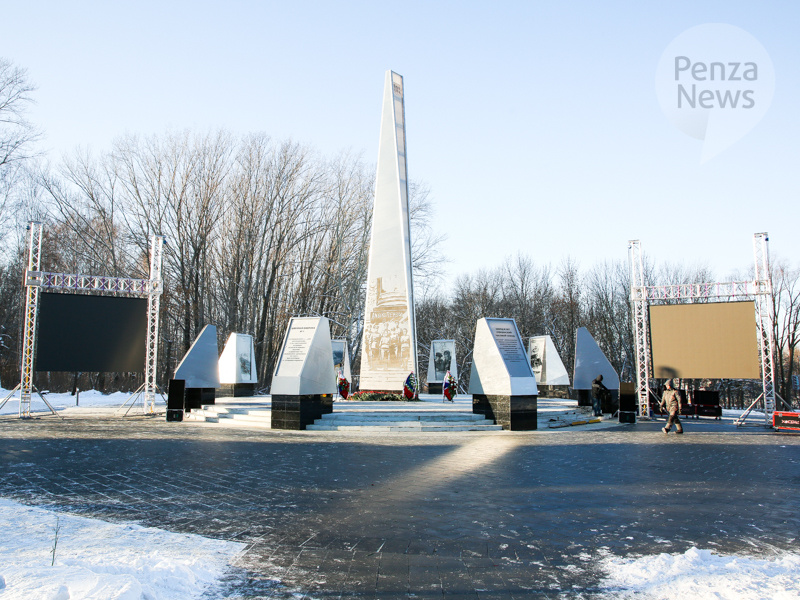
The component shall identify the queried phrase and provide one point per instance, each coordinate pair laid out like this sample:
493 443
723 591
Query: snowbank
89 402
100 560
702 574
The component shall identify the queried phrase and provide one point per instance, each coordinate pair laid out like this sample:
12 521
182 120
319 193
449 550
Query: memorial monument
442 359
547 365
389 347
501 382
237 366
304 384
199 369
589 363
341 359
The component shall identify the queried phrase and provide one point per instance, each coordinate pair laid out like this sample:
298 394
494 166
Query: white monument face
389 350
591 362
500 364
441 360
199 367
304 364
238 361
546 363
341 359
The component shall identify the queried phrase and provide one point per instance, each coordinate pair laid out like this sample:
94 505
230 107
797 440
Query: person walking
671 400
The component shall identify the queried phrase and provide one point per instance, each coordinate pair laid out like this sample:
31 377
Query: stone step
401 427
345 417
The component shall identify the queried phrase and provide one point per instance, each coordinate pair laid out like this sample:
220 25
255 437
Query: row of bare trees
557 300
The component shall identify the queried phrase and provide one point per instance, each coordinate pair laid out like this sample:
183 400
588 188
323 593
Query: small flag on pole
410 386
343 385
449 387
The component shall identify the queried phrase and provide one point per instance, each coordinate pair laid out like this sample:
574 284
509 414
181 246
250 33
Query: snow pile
89 402
701 574
95 559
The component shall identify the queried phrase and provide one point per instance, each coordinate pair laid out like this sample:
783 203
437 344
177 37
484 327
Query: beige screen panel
695 341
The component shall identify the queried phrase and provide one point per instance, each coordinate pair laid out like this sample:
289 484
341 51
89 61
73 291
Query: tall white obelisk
389 348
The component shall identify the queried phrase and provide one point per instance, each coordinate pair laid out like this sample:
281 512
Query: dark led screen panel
696 341
91 333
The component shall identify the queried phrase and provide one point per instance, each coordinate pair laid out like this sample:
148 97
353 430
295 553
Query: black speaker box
174 415
175 394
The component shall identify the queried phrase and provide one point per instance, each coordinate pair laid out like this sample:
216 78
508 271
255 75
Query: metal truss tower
153 306
641 332
759 290
32 278
765 320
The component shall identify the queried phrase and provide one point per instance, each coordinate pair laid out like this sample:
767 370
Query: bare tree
17 137
786 306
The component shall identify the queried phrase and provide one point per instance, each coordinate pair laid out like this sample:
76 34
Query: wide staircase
352 416
403 416
233 412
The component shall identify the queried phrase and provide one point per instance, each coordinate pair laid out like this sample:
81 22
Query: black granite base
297 412
514 413
196 397
584 397
435 388
553 391
610 402
236 390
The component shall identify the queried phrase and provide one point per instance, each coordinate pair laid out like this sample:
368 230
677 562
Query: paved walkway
454 515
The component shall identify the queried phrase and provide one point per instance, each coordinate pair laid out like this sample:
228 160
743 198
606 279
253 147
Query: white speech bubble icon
715 82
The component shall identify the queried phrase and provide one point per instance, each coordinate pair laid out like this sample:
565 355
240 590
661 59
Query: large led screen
696 341
91 333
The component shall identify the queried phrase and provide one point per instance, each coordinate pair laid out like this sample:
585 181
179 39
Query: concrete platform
428 415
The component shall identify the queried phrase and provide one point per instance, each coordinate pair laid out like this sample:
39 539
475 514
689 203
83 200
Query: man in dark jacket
599 390
671 400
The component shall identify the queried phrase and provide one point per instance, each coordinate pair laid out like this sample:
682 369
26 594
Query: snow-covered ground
88 402
701 574
106 561
103 561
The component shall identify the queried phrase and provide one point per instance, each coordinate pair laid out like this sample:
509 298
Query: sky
536 125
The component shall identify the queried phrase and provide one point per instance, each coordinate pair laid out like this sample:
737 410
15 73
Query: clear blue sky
535 124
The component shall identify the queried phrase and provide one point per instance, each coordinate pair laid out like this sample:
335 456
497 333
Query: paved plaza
419 515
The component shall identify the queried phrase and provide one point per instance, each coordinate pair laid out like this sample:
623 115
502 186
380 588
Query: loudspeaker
627 416
175 394
627 397
174 415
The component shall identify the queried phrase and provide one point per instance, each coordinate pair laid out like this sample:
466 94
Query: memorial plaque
304 364
299 336
238 362
441 360
509 344
537 349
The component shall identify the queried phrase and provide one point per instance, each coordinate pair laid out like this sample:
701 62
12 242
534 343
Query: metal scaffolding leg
640 330
32 281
